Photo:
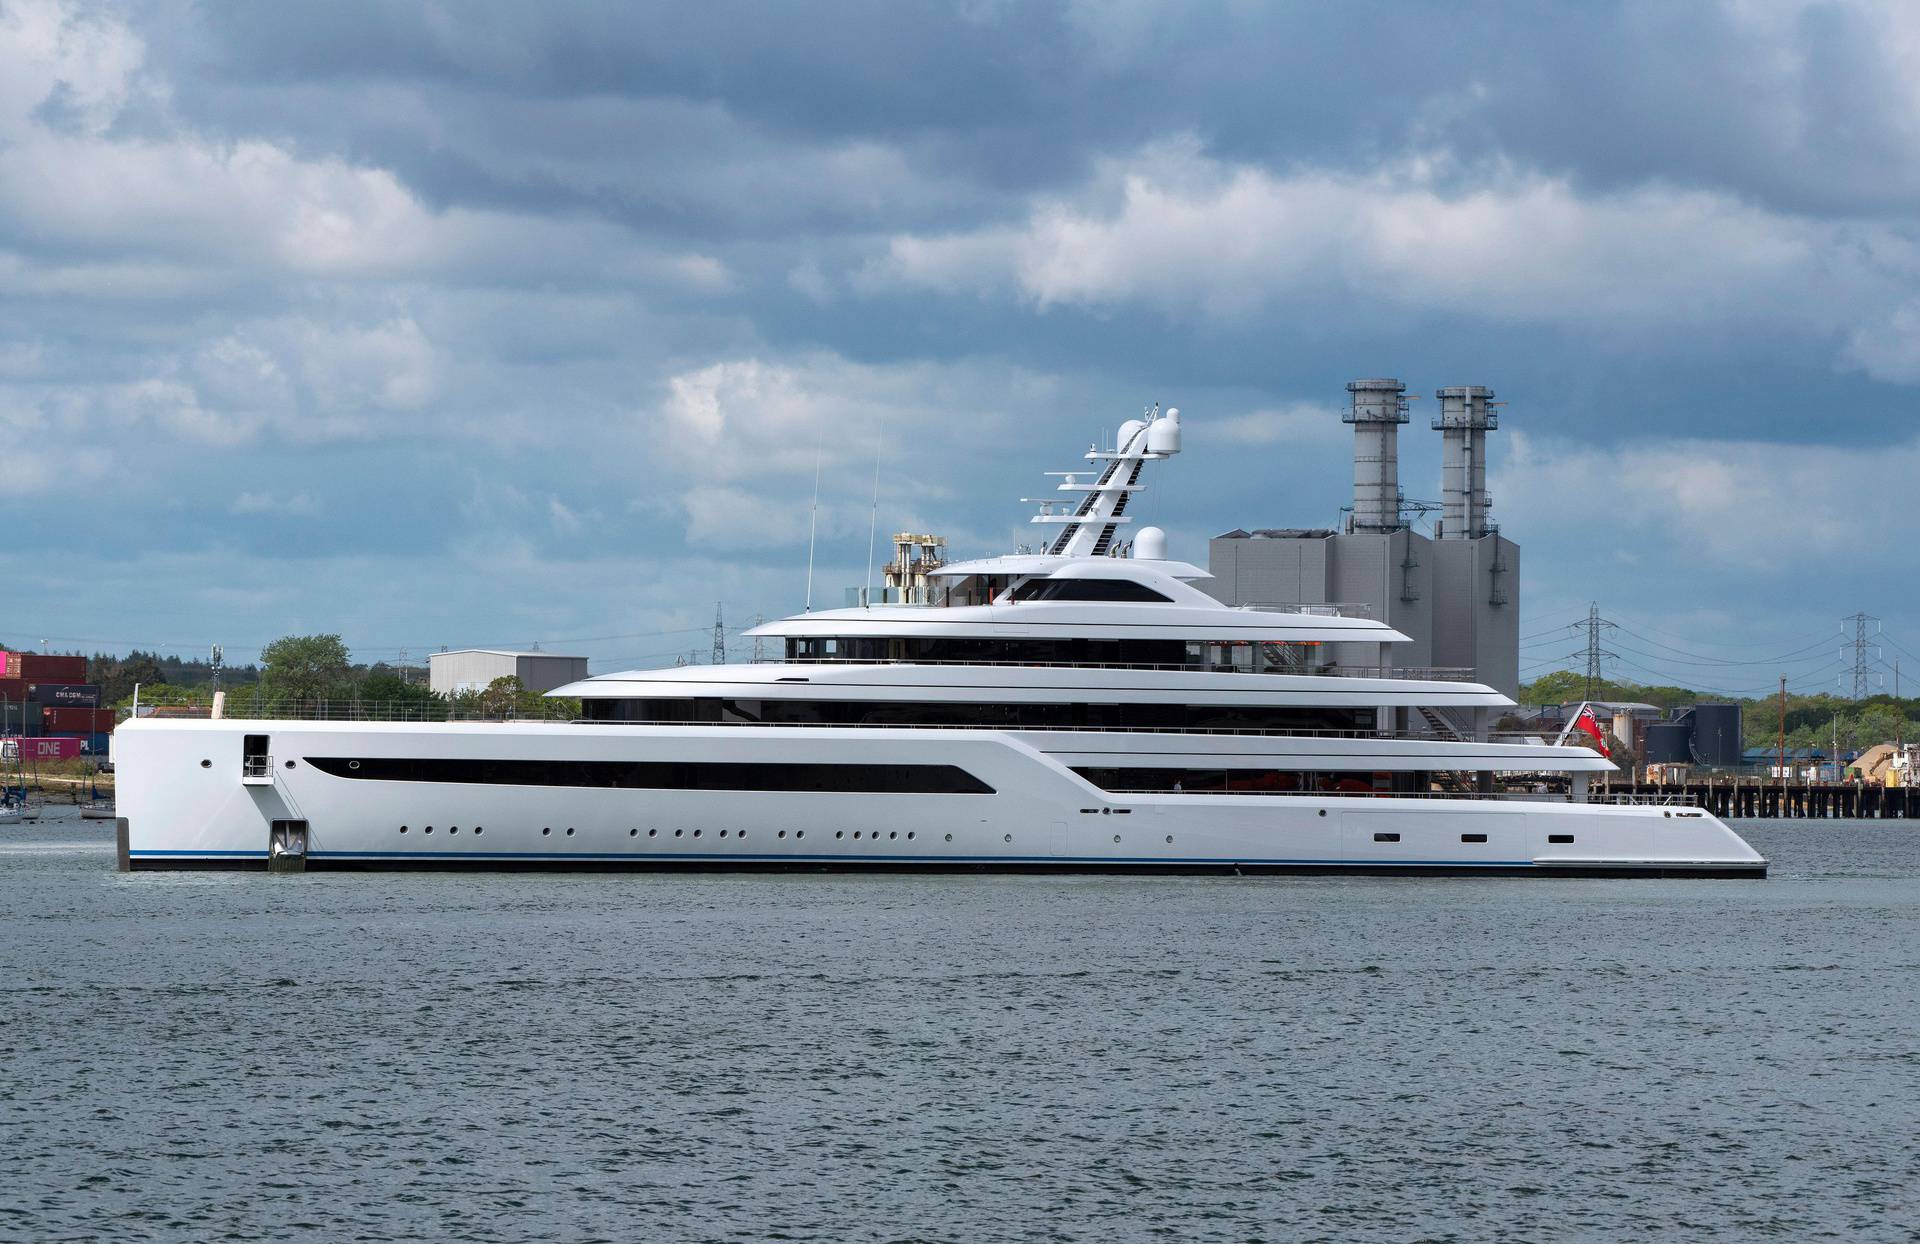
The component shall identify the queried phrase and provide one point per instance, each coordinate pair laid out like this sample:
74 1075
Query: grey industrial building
473 669
1455 594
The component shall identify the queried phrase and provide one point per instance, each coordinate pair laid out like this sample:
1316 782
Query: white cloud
1168 227
1298 423
281 505
744 436
171 208
1889 350
1762 506
565 522
51 51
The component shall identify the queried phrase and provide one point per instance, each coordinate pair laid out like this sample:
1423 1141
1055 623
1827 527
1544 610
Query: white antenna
813 529
873 524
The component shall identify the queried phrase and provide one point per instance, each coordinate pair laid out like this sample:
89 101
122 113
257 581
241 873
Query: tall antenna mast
813 529
873 523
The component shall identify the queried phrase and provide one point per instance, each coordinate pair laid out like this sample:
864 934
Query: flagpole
1568 728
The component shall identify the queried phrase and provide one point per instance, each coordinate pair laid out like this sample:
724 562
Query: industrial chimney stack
1466 416
1377 410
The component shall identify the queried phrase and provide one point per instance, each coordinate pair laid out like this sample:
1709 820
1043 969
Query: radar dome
1163 434
1150 544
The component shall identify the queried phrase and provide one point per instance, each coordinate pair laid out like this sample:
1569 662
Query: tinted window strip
660 775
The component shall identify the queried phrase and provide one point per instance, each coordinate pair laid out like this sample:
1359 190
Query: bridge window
1087 589
986 716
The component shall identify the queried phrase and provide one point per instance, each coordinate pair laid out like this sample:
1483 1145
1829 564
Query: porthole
569 831
1006 837
427 830
206 764
1116 840
289 764
892 834
856 835
723 833
839 833
353 764
949 837
909 835
653 833
545 830
740 833
781 834
1169 839
403 829
478 831
453 829
633 833
696 833
678 832
799 833
1323 812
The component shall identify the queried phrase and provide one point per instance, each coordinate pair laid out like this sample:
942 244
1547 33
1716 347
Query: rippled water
527 1057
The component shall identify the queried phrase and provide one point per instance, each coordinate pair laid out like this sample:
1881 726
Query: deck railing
382 711
1426 673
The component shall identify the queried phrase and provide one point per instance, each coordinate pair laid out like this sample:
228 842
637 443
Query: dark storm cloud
1801 107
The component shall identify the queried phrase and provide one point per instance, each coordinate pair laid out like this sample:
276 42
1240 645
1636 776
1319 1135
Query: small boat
96 808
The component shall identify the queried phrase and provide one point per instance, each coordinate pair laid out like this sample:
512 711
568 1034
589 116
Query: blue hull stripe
829 859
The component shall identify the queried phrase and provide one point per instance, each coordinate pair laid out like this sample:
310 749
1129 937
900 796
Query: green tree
387 687
116 677
305 667
502 697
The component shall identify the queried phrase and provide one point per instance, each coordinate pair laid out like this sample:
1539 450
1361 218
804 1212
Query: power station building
1454 594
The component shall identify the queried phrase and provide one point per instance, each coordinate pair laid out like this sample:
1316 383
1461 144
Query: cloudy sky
462 324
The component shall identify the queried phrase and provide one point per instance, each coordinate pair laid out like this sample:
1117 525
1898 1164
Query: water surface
531 1057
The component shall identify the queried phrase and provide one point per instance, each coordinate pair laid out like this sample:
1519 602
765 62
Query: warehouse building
474 669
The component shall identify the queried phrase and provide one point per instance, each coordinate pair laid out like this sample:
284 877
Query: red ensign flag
1589 725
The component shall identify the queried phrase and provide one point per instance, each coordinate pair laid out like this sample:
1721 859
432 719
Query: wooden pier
1762 802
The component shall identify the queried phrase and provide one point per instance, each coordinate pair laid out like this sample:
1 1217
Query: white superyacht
1077 710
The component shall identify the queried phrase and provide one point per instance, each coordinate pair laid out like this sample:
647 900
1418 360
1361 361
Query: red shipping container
9 665
104 720
14 690
31 750
37 668
69 720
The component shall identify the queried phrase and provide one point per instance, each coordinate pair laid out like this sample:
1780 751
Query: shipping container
74 720
14 689
37 668
65 694
9 665
97 745
33 748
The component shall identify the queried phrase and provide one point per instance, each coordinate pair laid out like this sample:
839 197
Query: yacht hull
455 797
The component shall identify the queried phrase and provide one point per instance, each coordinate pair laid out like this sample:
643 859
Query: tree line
298 671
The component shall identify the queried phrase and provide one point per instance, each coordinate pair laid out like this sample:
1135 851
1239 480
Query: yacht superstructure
1086 708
